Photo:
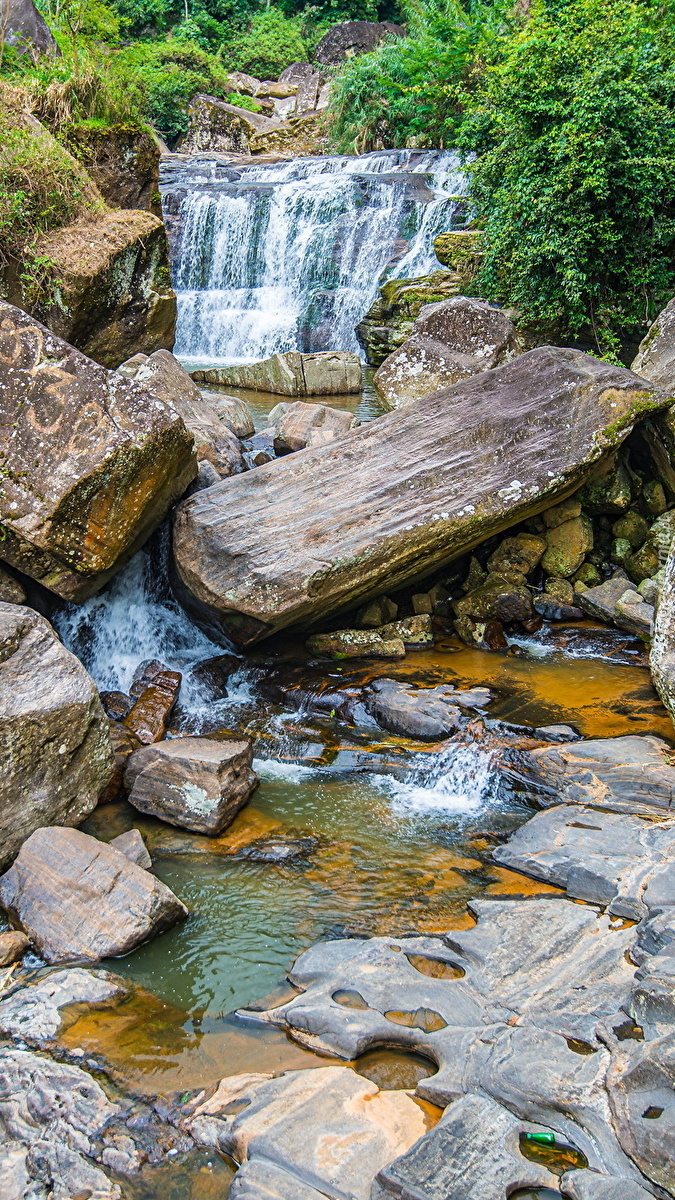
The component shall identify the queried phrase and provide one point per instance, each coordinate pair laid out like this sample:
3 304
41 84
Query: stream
352 831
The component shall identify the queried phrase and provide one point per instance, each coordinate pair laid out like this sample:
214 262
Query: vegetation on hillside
565 114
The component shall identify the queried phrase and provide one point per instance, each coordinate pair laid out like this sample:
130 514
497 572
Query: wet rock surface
147 718
34 1014
375 510
197 783
426 713
111 460
54 739
620 774
78 898
329 1128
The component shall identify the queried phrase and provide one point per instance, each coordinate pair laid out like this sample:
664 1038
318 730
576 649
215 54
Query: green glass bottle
542 1139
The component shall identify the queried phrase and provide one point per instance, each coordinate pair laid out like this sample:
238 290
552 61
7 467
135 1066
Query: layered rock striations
395 500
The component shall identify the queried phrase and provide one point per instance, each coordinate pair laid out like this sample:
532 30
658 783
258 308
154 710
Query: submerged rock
450 341
327 1128
91 461
401 496
77 897
54 740
197 783
325 373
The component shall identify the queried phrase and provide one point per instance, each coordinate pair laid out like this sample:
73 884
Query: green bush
574 179
271 42
167 75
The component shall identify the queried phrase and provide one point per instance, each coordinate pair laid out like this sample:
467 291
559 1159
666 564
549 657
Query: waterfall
290 255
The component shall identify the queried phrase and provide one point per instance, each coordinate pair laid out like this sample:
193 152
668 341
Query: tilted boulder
162 374
403 495
90 461
216 126
655 359
451 340
107 288
197 783
25 29
77 897
54 738
326 373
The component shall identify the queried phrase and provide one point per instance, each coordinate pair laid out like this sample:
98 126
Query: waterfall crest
290 255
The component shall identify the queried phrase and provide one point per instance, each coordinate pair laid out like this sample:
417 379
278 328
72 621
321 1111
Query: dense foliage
565 113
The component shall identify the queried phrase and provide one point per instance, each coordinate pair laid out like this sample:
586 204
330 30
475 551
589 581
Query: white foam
272 768
459 781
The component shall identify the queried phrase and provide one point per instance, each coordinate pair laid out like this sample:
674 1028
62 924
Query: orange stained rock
512 883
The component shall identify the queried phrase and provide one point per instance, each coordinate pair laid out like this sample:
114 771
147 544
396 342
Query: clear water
290 255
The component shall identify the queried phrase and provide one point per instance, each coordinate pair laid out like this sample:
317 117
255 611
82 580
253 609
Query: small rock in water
426 713
13 946
278 850
77 897
132 846
414 632
557 733
116 705
147 719
552 609
356 643
196 783
213 673
144 674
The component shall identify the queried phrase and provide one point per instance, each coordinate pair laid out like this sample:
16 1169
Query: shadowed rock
54 736
91 462
77 897
394 500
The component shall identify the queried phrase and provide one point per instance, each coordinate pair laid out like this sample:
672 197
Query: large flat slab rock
197 783
324 373
329 1128
620 860
396 499
54 735
472 1154
626 774
79 898
91 462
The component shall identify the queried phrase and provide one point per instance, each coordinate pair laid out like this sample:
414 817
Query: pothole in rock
421 1018
394 1070
580 1047
557 1158
435 968
535 1194
349 999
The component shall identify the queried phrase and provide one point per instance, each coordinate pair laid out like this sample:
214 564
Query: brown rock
356 643
91 462
11 591
132 846
108 289
413 631
520 553
562 512
566 546
54 741
395 500
162 375
13 946
149 715
78 898
123 161
496 599
197 783
298 425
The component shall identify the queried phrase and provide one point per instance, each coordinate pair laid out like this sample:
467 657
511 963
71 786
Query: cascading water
291 255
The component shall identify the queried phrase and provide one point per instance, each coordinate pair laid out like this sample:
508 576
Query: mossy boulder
123 161
567 546
461 251
107 288
389 321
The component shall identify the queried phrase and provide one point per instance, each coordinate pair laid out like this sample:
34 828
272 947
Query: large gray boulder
25 29
162 375
624 774
297 425
396 499
348 38
662 656
79 898
324 373
450 341
91 461
655 359
54 735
